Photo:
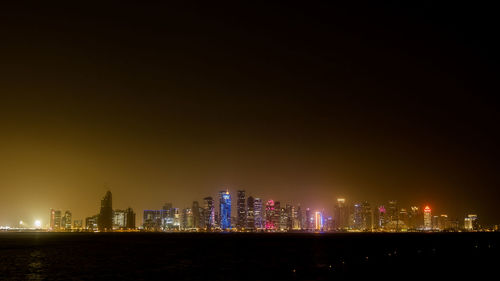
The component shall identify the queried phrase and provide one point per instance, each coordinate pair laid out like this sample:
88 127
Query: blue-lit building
225 210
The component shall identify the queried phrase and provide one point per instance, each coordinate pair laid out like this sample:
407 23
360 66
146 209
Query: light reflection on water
35 266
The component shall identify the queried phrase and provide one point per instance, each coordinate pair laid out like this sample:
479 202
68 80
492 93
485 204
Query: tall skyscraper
209 213
357 222
427 218
367 224
167 218
197 220
241 210
392 211
270 215
67 220
130 219
309 220
259 221
52 219
250 222
416 218
105 222
382 217
318 221
341 214
57 220
225 210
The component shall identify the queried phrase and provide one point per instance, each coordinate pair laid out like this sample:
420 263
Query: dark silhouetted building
209 212
250 222
105 222
241 210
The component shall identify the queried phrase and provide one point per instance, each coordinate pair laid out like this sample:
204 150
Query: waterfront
237 256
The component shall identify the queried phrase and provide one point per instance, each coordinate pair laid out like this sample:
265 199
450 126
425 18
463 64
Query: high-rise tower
105 221
225 210
242 214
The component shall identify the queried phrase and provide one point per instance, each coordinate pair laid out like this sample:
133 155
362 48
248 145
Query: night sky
298 103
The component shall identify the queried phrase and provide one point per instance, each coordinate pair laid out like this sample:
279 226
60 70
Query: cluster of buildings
107 219
253 214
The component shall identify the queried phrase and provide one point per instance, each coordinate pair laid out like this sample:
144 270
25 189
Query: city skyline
345 215
300 102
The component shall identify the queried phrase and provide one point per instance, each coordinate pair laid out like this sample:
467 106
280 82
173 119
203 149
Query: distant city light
38 224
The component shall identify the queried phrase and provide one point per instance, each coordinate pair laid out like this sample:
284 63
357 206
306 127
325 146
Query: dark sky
297 103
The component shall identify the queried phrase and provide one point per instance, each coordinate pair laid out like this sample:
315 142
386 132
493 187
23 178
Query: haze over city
298 104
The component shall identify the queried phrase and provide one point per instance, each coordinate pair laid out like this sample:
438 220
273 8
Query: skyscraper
105 222
427 218
209 213
130 219
197 220
52 219
309 220
250 223
67 220
318 221
259 224
382 217
241 210
270 210
57 220
225 210
341 214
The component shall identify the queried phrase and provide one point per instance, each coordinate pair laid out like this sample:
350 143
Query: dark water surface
198 256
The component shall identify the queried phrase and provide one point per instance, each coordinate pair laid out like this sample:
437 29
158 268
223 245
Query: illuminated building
382 218
105 222
435 221
357 222
270 214
209 213
341 215
366 217
300 218
57 220
392 212
296 217
187 221
471 222
67 220
443 222
415 218
404 219
250 222
91 223
119 219
290 216
283 219
318 221
427 218
225 210
52 219
259 221
241 210
152 220
167 217
177 218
